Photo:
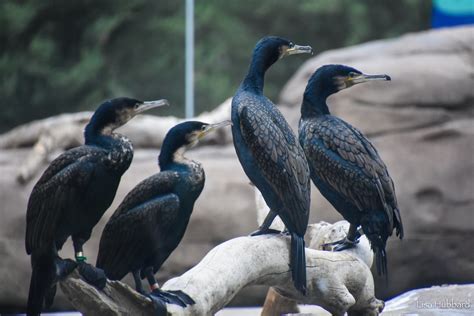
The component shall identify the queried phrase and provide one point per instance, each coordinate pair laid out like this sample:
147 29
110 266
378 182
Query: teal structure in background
452 12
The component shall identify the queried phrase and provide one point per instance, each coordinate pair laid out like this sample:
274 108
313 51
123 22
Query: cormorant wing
281 161
153 186
347 162
136 235
58 188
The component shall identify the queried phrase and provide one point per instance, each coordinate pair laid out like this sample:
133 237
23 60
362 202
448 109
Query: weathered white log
66 130
337 281
30 133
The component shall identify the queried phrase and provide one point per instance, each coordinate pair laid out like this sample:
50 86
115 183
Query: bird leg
138 282
351 240
91 274
265 227
159 296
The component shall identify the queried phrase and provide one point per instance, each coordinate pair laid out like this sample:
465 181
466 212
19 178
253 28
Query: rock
436 300
432 53
422 125
453 300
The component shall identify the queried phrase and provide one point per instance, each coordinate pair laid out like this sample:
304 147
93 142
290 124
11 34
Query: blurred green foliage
65 56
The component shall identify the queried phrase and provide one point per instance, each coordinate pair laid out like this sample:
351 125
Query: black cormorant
150 222
73 194
270 154
345 166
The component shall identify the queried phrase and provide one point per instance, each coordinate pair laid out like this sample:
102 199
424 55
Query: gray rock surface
421 122
448 300
422 125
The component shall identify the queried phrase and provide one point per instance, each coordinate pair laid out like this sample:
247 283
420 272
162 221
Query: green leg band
80 257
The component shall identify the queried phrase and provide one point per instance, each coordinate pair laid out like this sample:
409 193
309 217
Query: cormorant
150 222
270 154
345 166
73 194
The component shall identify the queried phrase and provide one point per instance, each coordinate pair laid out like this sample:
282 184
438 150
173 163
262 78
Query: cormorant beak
212 127
364 78
297 49
147 105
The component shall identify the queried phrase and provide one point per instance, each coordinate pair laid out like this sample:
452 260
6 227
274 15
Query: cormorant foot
346 244
264 232
172 297
342 244
159 304
64 267
286 232
92 275
183 296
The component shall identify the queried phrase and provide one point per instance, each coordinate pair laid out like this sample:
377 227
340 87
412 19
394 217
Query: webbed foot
264 232
172 297
92 275
342 244
64 267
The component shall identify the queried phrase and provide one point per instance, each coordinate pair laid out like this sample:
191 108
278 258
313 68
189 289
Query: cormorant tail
376 230
381 261
50 294
41 281
298 262
378 243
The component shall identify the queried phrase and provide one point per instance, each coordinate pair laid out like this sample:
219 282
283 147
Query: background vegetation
64 56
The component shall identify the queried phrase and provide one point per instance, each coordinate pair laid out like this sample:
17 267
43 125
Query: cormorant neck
314 101
254 80
98 134
171 155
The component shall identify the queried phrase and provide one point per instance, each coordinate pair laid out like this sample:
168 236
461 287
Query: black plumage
270 154
73 193
345 166
151 221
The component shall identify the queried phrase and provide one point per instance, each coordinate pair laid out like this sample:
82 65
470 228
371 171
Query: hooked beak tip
148 105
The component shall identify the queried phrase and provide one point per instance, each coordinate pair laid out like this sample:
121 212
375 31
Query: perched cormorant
270 154
150 222
345 166
73 194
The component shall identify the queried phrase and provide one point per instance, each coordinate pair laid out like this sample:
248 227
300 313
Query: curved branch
337 281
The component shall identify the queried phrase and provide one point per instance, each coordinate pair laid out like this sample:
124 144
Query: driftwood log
65 131
337 281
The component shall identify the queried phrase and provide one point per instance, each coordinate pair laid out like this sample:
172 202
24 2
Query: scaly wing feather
281 162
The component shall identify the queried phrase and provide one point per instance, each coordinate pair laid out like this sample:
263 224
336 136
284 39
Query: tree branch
337 281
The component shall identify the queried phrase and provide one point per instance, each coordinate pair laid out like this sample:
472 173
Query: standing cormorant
73 194
345 166
150 222
270 154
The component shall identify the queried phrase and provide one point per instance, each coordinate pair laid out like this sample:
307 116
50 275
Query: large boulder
421 122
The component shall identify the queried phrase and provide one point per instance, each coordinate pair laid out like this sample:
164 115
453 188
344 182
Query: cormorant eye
203 128
352 74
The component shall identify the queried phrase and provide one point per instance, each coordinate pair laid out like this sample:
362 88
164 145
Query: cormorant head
183 137
116 112
330 79
272 48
